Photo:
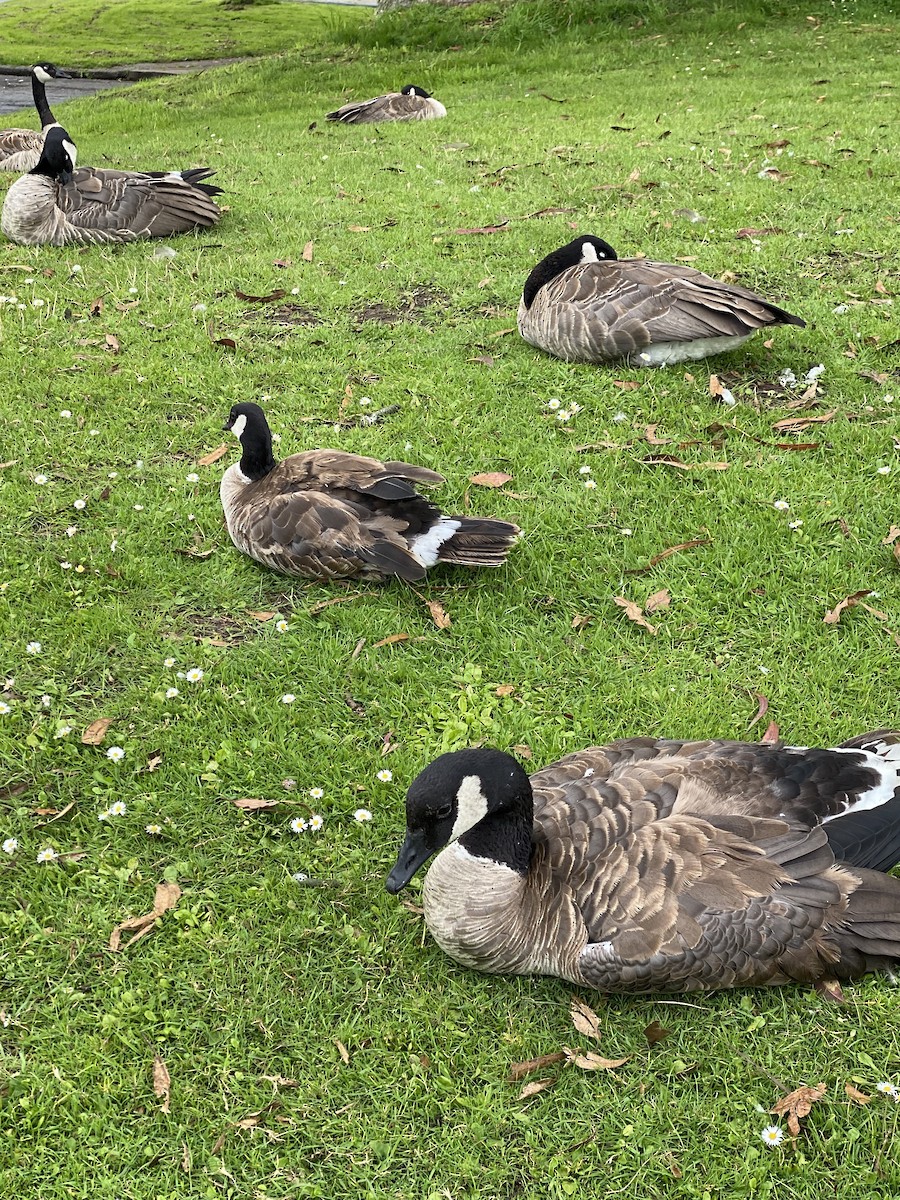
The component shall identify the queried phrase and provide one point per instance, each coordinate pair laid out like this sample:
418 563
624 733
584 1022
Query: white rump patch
72 150
426 546
883 791
41 74
471 806
663 354
239 426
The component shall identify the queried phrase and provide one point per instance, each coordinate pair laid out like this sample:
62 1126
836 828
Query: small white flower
179 675
296 292
114 545
316 793
5 709
138 507
590 484
65 413
115 753
41 479
63 731
365 401
153 829
620 416
132 291
37 302
118 809
103 816
193 477
627 532
288 698
362 814
795 525
385 776
139 465
171 693
814 372
883 470
194 675
33 648
289 785
281 625
565 415
298 825
887 1089
113 475
772 1135
80 504
45 701
168 662
764 671
76 269
71 530
10 846
66 566
554 403
79 570
316 822
299 877
782 505
48 854
585 470
840 309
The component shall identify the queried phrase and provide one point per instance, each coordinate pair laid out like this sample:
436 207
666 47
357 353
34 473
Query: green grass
84 34
255 976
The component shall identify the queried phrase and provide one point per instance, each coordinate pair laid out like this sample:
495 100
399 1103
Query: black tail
193 176
869 836
479 542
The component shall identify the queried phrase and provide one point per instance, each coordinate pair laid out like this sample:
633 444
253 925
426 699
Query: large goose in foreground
327 514
663 866
584 304
411 103
20 149
56 203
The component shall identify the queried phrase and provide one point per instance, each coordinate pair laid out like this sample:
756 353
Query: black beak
226 426
65 178
413 853
63 74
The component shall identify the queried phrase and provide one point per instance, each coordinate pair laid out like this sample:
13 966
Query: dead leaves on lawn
798 1104
834 615
167 896
162 1083
96 731
586 1022
634 612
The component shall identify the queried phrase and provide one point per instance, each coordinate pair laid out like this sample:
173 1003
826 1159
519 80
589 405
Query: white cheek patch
589 253
471 806
72 151
41 74
239 426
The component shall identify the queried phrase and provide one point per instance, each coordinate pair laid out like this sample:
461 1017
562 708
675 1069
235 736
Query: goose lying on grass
20 149
326 514
662 866
57 203
584 304
411 103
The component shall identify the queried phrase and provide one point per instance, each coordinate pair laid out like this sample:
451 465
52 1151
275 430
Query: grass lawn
317 1043
81 33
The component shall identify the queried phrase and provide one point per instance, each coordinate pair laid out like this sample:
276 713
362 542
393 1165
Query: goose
583 303
56 204
20 149
411 103
327 514
663 866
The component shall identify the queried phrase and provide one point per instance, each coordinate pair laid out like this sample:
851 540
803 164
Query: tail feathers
868 937
479 542
194 176
880 741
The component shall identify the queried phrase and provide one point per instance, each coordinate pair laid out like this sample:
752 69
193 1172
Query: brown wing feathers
119 205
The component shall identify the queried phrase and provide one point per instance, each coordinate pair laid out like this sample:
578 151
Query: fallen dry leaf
634 613
663 554
758 233
581 620
161 1083
798 424
520 1069
186 1161
592 1061
154 760
798 1104
490 479
96 307
307 255
652 439
112 343
439 614
655 1033
277 294
388 641
359 228
484 228
261 616
96 731
167 896
191 553
584 1018
669 460
626 385
505 689
323 604
771 736
532 1089
893 534
214 455
249 804
486 360
856 1094
834 615
761 711
343 1052
523 750
660 599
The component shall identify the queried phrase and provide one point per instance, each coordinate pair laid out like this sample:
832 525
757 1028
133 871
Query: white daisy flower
620 416
193 477
48 854
66 566
76 269
103 816
65 413
41 479
795 525
118 809
590 484
585 470
171 693
113 475
887 1089
316 793
153 829
883 470
299 877
5 709
281 625
11 845
63 731
33 648
362 814
554 403
782 506
45 701
140 462
168 662
132 291
385 776
288 698
289 785
316 822
194 675
627 532
200 308
116 753
71 530
138 507
772 1135
298 825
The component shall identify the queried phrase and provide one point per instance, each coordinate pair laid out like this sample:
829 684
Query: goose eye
443 813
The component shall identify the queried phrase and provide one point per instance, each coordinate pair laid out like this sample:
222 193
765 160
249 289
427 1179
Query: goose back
410 104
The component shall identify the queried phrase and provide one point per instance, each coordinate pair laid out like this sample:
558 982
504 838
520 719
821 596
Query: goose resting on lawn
584 304
411 103
663 866
20 149
56 203
327 514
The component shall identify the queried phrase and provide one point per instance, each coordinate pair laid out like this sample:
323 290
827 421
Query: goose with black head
411 103
20 149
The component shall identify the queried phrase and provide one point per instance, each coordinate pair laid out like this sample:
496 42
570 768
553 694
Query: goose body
56 203
584 304
662 866
20 149
327 514
409 104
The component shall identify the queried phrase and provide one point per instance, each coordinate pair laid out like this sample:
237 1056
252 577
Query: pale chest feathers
231 489
30 213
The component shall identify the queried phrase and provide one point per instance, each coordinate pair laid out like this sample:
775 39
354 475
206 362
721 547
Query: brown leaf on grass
592 1061
663 554
660 599
834 615
584 1018
875 376
283 263
523 750
343 1052
277 294
533 1088
486 360
656 1033
758 233
761 711
53 814
520 1069
190 552
634 612
226 343
10 463
650 436
581 620
167 896
798 1104
505 689
503 332
774 174
484 228
856 1094
359 228
112 343
214 455
626 385
96 307
261 616
439 614
307 255
798 424
96 731
161 1083
669 460
321 605
249 804
390 639
154 760
771 736
892 535
490 479
715 387
186 1161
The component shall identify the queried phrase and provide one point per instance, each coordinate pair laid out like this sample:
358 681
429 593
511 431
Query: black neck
257 459
505 836
548 268
39 92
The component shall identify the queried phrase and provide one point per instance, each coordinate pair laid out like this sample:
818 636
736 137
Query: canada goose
411 103
55 204
663 866
584 304
20 149
326 514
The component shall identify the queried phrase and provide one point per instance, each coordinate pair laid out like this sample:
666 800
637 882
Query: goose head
583 249
45 71
58 156
411 90
481 799
248 423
